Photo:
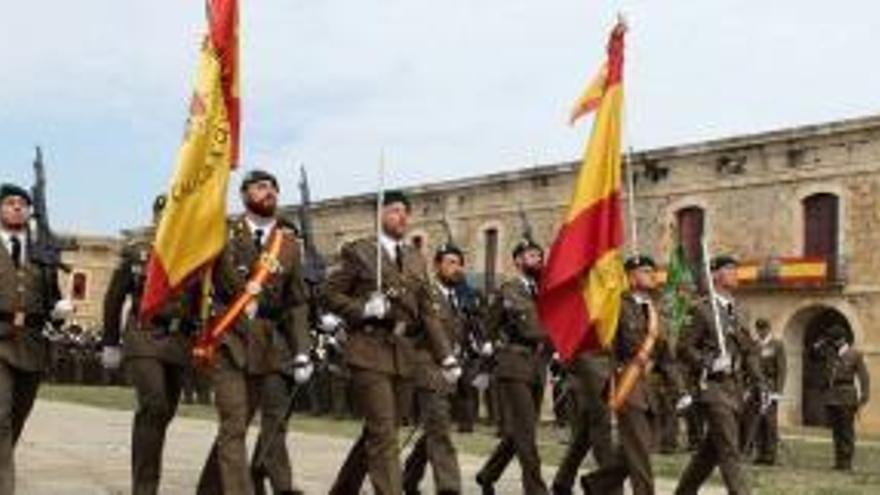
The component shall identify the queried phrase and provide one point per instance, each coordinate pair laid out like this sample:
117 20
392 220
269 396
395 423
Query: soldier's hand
376 307
684 402
486 349
451 369
329 323
302 369
63 310
481 381
721 364
111 357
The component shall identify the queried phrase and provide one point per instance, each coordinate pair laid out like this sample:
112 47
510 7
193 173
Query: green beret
639 261
257 175
9 190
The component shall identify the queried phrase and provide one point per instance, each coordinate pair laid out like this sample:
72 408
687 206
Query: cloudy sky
448 88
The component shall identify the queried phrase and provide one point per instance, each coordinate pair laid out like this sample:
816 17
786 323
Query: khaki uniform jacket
698 347
632 330
258 345
33 291
774 364
387 346
168 336
846 370
428 374
513 321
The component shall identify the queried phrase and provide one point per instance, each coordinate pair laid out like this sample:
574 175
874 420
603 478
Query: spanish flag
584 278
192 230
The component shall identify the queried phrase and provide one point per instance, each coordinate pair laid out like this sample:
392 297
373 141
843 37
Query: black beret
257 175
8 190
723 261
448 248
159 203
396 196
639 261
526 245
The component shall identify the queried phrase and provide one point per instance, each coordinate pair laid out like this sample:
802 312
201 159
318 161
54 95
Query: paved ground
78 450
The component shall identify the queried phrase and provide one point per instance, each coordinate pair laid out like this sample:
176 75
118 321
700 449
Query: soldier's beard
264 209
534 271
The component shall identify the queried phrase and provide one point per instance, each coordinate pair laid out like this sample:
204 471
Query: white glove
774 397
63 310
376 307
111 357
302 369
486 349
451 369
684 402
329 323
481 381
251 309
721 364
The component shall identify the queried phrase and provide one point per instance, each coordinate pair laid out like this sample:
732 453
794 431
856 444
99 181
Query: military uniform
250 352
433 396
520 372
720 394
761 430
381 353
591 424
270 457
156 356
27 294
848 389
633 459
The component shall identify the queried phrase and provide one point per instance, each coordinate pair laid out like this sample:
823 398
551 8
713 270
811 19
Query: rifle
314 265
527 231
47 247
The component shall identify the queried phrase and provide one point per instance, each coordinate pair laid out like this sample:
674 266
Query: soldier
520 372
383 328
720 391
591 424
249 355
634 421
432 392
848 390
156 355
29 297
761 428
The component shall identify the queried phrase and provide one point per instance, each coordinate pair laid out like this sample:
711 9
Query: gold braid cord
632 373
205 348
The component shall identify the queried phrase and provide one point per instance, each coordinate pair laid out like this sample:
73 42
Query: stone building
91 263
801 208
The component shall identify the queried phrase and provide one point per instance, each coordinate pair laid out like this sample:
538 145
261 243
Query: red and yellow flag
584 278
192 230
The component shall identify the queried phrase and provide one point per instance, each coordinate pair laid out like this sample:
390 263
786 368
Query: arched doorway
804 331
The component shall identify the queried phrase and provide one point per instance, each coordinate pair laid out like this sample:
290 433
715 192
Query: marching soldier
720 391
432 392
848 390
29 297
637 317
520 372
761 429
591 423
384 328
156 355
249 354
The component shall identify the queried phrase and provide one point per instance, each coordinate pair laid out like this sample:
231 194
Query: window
491 239
821 228
79 286
691 221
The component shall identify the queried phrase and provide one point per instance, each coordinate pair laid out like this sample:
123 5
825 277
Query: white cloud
452 88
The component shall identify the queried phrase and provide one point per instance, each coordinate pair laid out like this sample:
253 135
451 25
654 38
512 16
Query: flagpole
631 203
380 198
